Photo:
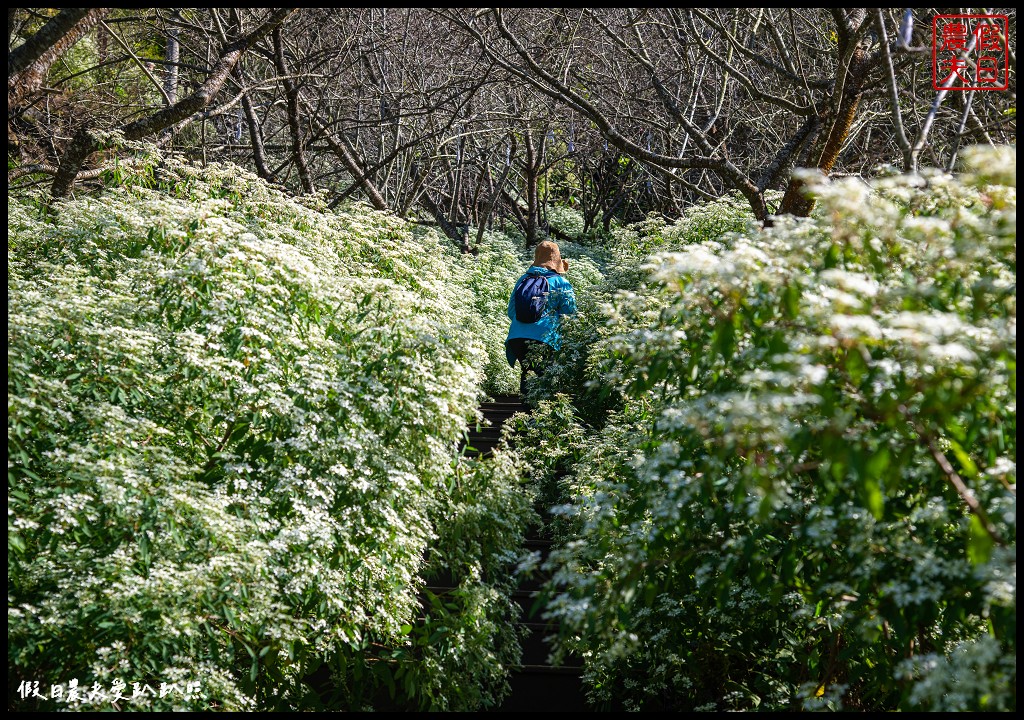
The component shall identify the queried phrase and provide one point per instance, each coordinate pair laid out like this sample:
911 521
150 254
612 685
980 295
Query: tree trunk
495 190
259 153
291 91
85 142
28 64
456 233
612 207
346 154
172 56
534 157
796 201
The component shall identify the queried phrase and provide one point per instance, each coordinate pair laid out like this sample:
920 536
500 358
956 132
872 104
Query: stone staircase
537 685
482 439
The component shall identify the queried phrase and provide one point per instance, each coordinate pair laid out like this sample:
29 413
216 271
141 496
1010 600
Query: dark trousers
530 356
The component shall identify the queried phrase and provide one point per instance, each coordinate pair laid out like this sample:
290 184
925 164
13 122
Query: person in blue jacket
539 301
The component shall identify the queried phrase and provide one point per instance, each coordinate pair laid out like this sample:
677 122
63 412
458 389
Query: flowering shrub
233 422
500 262
802 491
458 654
565 221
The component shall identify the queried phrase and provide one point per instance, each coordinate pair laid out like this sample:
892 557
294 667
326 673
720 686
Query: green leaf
725 338
832 256
791 300
856 368
879 463
979 543
873 497
967 466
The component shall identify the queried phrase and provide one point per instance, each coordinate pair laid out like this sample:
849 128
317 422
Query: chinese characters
969 52
119 691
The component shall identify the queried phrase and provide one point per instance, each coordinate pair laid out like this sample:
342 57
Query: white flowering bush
698 223
500 262
458 653
801 492
233 428
565 221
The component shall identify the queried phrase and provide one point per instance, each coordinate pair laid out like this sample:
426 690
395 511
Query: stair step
534 581
506 398
537 543
443 579
481 450
480 443
537 576
474 438
545 689
531 603
537 647
497 420
542 669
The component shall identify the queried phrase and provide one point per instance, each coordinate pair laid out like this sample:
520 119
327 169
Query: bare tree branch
86 142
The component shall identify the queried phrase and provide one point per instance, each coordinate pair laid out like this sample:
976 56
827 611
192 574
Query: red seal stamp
970 52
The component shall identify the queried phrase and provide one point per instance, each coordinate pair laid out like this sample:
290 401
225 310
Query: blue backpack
530 297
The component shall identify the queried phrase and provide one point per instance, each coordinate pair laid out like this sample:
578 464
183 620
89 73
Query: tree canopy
465 116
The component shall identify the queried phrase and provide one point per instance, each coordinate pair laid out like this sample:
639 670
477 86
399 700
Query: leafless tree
464 117
714 100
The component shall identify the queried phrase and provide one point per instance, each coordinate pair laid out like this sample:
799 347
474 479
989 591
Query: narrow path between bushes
537 685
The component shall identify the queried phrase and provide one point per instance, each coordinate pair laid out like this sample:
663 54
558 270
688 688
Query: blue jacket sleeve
511 302
566 298
568 301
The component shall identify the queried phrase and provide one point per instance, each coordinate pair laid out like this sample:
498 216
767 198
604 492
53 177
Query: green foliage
565 221
500 262
233 422
71 71
551 441
456 656
788 478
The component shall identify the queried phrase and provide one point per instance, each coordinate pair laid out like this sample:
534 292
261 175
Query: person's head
547 255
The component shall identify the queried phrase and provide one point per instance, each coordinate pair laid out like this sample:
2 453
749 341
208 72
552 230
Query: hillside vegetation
780 461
